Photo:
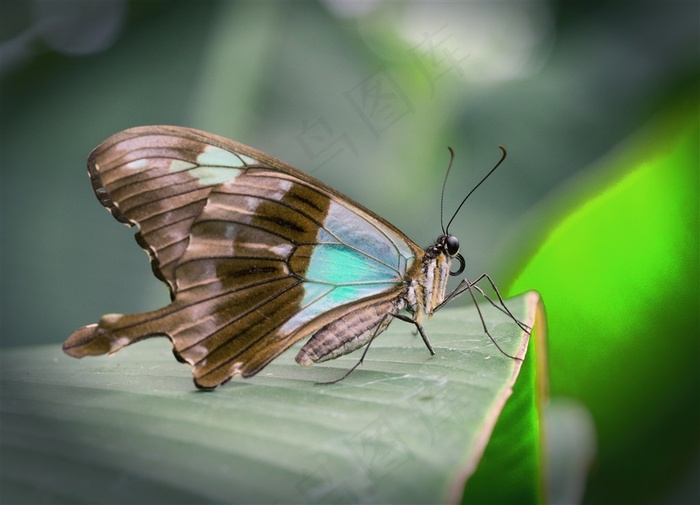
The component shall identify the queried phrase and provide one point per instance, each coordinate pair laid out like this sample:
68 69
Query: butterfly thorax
426 292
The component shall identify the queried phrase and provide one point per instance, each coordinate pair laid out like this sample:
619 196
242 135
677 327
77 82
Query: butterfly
257 256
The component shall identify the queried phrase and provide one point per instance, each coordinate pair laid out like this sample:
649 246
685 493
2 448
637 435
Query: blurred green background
367 96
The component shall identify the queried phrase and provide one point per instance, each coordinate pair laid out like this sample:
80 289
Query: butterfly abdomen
348 333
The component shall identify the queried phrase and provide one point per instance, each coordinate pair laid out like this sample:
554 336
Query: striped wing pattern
257 254
143 176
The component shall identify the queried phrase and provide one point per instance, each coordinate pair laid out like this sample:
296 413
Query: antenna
444 185
503 157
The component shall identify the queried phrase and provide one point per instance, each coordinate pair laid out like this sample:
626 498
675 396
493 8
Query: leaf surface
405 427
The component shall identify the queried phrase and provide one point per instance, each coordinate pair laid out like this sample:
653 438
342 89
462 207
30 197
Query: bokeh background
367 96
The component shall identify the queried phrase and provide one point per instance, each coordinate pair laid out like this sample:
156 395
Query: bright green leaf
619 273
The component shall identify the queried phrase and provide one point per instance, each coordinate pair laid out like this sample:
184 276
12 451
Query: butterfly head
436 270
447 246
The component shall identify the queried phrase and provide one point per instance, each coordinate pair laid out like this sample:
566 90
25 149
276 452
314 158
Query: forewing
159 178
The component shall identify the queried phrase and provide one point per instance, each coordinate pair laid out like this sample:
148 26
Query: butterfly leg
501 305
419 328
483 324
465 286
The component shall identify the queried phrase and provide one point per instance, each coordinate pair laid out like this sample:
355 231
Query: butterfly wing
257 254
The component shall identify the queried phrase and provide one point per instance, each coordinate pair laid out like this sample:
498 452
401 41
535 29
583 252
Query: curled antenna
446 228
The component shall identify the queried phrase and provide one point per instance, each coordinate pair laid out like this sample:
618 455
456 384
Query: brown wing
144 177
232 231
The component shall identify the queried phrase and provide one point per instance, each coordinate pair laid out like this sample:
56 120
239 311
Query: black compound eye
451 245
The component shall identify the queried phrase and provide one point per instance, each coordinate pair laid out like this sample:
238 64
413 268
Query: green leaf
512 468
619 272
403 428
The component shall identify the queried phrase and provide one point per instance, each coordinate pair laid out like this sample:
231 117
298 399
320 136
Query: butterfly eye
451 245
462 264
